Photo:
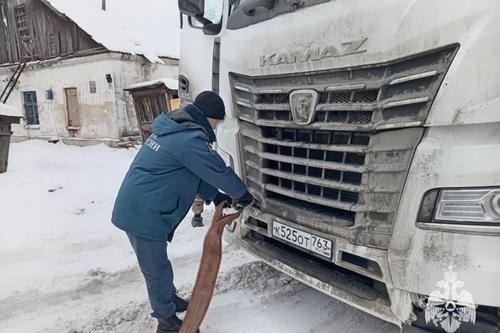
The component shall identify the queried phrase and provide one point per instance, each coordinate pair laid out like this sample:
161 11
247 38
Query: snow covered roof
147 27
9 111
171 84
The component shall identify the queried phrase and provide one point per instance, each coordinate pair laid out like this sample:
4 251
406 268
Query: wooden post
104 5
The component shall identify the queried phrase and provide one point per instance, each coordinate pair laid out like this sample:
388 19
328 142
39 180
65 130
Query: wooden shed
152 98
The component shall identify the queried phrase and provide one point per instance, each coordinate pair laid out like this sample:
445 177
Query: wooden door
72 107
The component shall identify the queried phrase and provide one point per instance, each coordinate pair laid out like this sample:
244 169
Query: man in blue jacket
175 164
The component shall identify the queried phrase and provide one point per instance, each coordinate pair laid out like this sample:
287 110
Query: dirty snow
66 268
9 111
148 27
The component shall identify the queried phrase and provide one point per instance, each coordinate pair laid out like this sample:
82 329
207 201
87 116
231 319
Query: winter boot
181 304
197 221
170 325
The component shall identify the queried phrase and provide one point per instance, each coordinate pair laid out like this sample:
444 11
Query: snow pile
148 27
255 276
66 268
171 84
9 111
131 317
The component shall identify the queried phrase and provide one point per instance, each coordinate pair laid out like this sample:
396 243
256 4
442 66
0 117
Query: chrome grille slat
416 100
345 169
347 107
244 103
327 147
311 198
312 163
242 88
413 77
260 106
343 87
286 124
312 180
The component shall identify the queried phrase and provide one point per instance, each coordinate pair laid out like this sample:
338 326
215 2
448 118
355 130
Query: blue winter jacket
175 164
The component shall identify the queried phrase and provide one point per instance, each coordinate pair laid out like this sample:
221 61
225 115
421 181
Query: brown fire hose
207 272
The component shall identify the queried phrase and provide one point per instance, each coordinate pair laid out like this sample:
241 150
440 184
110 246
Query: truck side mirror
192 7
212 29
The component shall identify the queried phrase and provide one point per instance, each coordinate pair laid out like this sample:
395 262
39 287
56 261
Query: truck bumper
358 276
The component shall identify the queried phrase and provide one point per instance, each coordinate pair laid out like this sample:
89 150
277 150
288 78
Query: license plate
303 239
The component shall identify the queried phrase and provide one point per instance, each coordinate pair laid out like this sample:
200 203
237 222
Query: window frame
21 15
92 87
32 114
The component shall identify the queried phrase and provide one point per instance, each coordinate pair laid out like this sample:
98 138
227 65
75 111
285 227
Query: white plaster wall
136 71
106 115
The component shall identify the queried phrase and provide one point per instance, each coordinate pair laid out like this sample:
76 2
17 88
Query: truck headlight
228 159
468 206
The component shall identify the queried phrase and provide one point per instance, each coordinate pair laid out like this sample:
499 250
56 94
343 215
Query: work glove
245 201
220 197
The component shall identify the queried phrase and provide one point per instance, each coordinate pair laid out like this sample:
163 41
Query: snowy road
65 268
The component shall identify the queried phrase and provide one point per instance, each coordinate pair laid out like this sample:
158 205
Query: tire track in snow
96 282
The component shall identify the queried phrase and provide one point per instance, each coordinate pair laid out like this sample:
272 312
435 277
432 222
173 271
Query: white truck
369 133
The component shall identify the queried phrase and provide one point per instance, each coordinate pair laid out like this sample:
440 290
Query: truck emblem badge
451 307
314 54
303 106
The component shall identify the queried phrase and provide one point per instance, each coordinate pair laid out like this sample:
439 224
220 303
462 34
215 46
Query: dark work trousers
157 271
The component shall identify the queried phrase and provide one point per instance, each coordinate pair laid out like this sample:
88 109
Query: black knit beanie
210 104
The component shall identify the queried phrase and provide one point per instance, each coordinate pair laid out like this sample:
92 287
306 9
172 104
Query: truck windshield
249 12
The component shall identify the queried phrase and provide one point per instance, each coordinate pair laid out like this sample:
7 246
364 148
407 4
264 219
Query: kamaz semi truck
369 133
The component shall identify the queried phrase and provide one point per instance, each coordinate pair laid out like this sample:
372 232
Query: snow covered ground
65 268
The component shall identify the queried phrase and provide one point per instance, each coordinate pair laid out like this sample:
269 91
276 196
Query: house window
31 108
21 17
92 86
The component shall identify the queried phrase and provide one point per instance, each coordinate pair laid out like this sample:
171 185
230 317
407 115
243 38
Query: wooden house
79 59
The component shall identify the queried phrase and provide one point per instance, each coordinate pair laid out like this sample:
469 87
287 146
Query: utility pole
104 5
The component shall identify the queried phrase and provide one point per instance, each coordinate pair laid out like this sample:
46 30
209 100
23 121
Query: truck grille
317 169
346 168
